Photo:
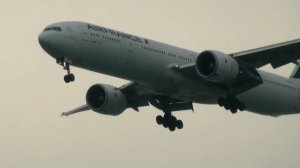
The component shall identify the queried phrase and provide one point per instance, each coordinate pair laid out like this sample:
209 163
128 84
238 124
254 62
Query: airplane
171 78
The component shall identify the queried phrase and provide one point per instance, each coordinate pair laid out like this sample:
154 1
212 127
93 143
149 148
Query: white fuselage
151 63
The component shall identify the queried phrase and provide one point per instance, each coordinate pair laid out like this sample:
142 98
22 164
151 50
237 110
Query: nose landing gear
66 65
69 77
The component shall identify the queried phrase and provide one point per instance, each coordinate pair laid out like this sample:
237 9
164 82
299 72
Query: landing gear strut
69 77
231 103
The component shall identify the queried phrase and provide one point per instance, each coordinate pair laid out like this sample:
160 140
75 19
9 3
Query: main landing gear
167 105
231 103
69 77
169 121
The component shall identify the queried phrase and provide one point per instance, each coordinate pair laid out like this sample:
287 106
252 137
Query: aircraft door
84 36
72 32
80 33
69 32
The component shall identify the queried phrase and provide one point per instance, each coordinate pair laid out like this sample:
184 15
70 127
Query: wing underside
277 55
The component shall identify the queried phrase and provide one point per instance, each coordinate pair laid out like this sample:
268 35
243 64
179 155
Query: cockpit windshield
52 28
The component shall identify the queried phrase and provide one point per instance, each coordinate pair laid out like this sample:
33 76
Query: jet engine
106 99
217 67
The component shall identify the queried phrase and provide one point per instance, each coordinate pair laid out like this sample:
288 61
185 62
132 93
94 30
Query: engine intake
217 67
106 99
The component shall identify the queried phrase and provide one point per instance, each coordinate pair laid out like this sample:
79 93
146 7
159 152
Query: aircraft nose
51 43
43 41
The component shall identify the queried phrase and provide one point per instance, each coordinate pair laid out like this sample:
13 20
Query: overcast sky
33 94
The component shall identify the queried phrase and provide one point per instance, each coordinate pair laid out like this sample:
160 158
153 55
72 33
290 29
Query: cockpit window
52 28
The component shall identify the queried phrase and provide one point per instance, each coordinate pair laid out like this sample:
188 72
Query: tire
172 128
179 124
221 101
66 78
165 123
227 106
241 106
159 120
71 77
233 110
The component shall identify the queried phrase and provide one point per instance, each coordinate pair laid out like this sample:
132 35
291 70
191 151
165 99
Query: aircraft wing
134 98
130 91
137 96
277 55
76 110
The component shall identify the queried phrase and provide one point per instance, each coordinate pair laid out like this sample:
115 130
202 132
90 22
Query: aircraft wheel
67 78
227 106
159 120
179 124
241 106
221 101
165 123
233 110
172 127
71 77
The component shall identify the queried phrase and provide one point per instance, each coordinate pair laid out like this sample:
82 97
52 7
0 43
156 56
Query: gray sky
33 94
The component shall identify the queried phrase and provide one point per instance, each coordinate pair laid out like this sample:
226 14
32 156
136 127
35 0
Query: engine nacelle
217 67
106 99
